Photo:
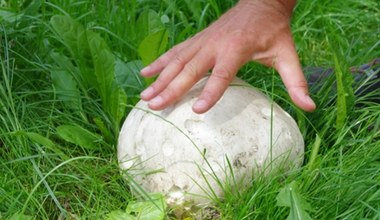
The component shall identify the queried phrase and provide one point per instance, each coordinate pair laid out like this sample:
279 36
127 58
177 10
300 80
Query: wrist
284 7
288 5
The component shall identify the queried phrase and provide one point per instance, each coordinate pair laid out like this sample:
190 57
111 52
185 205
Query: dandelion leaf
289 196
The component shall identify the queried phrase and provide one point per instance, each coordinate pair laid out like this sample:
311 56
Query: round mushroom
189 157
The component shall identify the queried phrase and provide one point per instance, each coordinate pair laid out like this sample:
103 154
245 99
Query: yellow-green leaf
152 46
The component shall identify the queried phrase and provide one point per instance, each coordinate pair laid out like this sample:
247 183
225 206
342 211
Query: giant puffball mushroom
175 150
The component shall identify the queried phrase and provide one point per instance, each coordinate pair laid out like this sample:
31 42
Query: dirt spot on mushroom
240 160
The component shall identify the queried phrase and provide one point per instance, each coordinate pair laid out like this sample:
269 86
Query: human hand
253 30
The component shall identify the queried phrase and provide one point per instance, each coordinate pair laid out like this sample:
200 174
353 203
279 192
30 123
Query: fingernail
200 105
309 101
147 93
145 69
156 101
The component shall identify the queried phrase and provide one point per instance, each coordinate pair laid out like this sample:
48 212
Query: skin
253 30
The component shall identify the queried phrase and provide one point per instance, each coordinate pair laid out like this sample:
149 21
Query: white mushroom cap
173 151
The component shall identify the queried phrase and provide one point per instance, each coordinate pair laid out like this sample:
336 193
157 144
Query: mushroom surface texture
189 157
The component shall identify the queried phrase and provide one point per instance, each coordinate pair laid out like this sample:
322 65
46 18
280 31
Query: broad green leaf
119 215
152 46
43 141
66 89
128 77
147 210
78 135
74 37
71 32
64 63
39 139
149 22
103 62
289 196
113 98
96 63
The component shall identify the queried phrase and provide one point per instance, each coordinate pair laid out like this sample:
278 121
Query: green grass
45 176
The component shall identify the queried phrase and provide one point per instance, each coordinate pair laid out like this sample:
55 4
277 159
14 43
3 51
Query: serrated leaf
128 77
289 196
345 100
103 62
314 159
74 37
147 210
71 32
96 63
152 46
80 136
113 98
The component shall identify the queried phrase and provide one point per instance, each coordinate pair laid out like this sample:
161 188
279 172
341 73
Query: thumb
288 66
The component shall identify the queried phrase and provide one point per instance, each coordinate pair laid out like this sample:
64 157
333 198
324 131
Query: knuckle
296 88
191 70
301 85
166 57
163 59
223 74
178 59
172 54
